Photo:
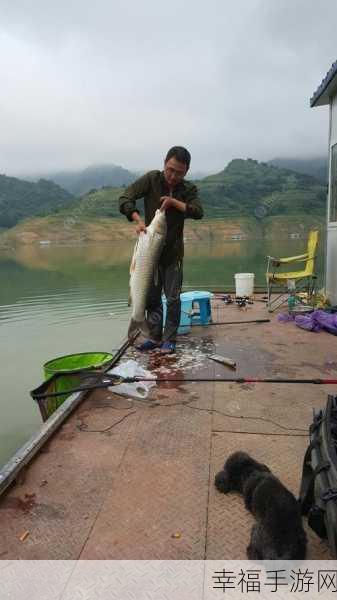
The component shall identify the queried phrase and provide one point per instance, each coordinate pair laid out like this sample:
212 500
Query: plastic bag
307 322
317 320
285 317
326 320
131 368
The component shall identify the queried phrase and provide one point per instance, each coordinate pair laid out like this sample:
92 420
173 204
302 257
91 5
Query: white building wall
331 265
333 132
331 262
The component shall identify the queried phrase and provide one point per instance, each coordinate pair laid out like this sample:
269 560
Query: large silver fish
143 265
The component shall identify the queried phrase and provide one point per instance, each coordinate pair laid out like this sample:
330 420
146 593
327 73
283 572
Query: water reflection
60 299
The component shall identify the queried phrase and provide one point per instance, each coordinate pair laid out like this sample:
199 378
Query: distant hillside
82 181
21 199
78 229
316 167
198 175
250 188
100 203
245 188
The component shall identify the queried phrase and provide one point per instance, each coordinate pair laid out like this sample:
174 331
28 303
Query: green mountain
80 182
316 167
22 199
96 204
245 188
250 188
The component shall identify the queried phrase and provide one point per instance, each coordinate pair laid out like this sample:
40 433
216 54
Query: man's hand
169 202
140 227
140 223
166 202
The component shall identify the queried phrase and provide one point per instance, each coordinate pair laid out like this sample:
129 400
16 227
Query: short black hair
180 154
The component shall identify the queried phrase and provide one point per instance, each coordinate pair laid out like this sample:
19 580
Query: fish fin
133 259
132 266
130 298
133 329
145 329
136 327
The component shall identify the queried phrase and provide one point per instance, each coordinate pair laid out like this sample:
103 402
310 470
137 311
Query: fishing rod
231 322
110 381
316 381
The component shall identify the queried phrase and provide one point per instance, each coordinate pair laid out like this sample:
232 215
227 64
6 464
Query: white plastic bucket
244 284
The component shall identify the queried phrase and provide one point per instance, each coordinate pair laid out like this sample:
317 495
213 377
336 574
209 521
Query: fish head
159 222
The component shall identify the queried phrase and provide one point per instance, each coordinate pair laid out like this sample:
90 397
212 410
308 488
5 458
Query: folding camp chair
292 282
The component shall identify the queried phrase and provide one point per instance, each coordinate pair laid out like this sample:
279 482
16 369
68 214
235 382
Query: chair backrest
312 244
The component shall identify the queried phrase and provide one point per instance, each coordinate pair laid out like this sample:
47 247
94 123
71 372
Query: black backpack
318 494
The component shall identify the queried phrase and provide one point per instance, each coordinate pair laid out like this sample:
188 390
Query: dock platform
134 479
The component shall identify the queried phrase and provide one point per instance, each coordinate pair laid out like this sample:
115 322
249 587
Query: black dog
278 533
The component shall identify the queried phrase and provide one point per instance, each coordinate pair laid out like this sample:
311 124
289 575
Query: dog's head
237 470
239 466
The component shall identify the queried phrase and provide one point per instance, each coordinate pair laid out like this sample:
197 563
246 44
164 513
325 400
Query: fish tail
135 327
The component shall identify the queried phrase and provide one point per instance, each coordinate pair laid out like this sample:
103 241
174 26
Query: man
169 191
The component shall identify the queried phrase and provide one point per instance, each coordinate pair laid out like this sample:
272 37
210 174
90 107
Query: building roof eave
326 89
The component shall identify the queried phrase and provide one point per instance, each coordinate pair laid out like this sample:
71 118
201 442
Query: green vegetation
21 199
97 204
250 188
316 167
245 189
82 181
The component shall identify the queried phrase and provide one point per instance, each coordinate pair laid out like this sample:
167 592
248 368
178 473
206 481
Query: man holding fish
157 260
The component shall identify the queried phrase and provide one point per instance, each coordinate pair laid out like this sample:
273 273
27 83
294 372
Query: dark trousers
169 280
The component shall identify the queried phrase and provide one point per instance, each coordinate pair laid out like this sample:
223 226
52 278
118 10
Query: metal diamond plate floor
129 479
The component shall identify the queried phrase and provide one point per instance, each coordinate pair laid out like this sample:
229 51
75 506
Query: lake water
57 300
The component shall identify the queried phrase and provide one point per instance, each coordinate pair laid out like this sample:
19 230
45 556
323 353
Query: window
333 185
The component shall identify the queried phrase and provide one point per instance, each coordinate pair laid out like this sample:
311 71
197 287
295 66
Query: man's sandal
147 346
168 347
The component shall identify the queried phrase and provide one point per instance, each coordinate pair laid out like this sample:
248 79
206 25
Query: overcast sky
120 82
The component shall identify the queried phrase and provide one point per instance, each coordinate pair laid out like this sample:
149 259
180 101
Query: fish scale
144 262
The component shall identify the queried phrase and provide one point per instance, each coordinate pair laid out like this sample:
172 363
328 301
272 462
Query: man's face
174 171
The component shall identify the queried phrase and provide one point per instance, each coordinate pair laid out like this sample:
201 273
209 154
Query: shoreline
61 230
